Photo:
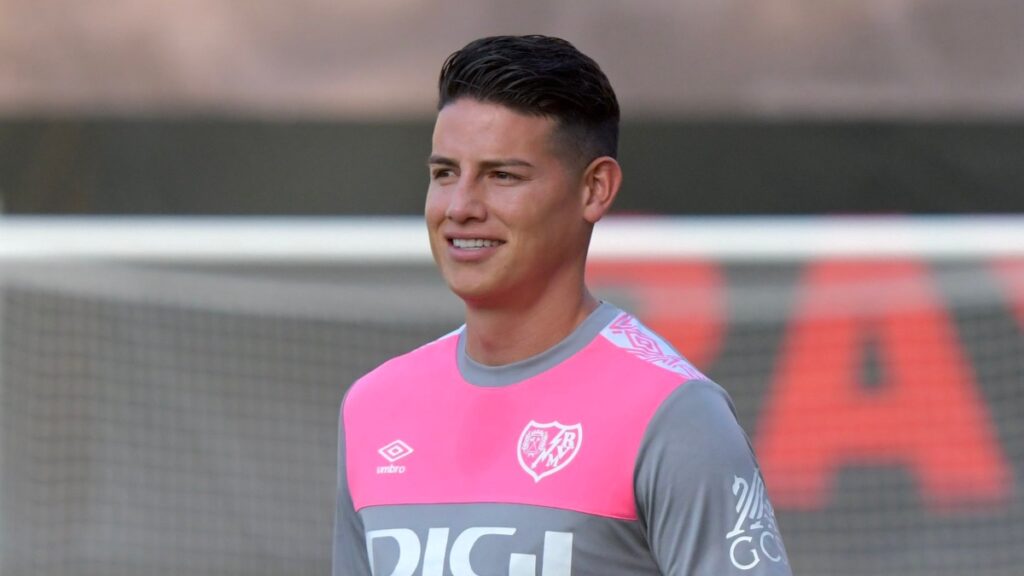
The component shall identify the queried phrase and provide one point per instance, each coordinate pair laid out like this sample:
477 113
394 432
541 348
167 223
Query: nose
465 203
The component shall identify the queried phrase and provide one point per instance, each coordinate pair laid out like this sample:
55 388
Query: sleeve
349 553
700 494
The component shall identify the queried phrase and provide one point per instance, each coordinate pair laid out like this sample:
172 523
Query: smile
474 243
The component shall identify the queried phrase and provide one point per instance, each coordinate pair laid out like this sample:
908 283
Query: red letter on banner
682 301
925 413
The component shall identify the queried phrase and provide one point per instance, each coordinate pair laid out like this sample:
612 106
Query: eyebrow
486 164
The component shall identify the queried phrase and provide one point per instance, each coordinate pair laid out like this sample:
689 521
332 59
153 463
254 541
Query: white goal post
403 239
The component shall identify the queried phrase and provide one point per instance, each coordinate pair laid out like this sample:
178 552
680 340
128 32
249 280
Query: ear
601 181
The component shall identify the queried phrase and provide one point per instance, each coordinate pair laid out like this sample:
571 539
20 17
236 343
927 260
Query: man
553 434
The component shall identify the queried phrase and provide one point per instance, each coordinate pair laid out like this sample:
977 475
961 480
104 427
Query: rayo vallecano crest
547 448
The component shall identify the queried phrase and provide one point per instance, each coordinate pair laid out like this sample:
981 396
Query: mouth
474 243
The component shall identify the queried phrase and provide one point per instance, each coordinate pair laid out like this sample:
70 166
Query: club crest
547 448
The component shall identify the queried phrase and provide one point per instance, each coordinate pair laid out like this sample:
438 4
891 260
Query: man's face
505 207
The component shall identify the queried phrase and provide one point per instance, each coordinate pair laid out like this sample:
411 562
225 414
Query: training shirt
608 454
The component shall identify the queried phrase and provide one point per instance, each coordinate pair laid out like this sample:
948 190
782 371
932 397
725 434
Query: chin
470 292
479 292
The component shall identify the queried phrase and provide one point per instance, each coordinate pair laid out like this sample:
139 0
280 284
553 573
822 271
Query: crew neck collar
495 376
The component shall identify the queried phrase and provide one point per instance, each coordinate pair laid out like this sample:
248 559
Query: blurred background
730 107
174 412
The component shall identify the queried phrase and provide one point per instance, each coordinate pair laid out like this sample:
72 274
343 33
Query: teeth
472 243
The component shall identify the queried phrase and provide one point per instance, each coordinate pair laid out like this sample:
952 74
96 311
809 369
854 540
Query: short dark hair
541 76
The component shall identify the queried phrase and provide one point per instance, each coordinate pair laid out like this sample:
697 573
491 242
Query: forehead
468 129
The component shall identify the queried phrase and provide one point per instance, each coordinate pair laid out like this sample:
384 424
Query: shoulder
636 366
652 383
699 407
390 376
696 428
639 344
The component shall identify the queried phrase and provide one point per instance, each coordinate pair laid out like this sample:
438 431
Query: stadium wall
725 167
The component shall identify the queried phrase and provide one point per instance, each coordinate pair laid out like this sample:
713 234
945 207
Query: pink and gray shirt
608 454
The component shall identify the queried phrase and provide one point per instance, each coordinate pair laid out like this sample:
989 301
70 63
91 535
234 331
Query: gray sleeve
699 491
349 554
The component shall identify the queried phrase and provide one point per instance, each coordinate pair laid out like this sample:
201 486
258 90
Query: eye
505 176
441 173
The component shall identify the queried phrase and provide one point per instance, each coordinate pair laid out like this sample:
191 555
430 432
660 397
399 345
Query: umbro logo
393 452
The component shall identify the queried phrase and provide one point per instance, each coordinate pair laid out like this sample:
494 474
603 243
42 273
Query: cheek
545 235
553 219
433 209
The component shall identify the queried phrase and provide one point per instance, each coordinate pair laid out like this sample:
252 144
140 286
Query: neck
503 335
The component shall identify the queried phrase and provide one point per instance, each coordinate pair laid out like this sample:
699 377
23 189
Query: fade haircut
539 76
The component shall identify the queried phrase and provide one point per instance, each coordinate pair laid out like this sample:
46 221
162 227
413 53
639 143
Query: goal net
169 388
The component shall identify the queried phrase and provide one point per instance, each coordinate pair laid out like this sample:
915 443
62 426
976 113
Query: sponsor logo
755 535
547 448
393 452
435 554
